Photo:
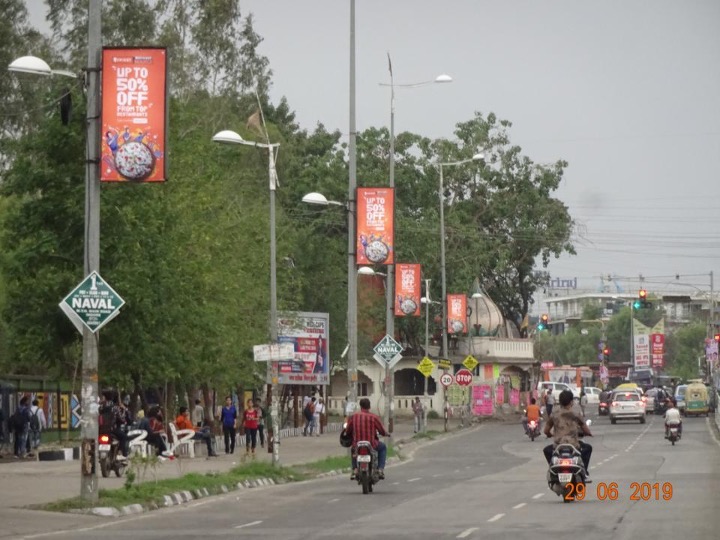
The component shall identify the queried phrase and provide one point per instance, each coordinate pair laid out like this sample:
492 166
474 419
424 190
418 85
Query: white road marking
251 524
333 500
519 506
481 464
467 532
436 475
396 483
538 495
495 517
413 479
457 470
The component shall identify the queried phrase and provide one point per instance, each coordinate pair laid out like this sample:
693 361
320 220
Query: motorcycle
533 428
673 434
109 455
367 460
566 474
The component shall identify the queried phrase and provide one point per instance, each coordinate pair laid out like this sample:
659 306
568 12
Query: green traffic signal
637 304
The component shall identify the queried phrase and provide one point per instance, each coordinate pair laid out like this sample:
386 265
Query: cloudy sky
627 91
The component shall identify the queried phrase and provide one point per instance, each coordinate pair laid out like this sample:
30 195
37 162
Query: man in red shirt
365 426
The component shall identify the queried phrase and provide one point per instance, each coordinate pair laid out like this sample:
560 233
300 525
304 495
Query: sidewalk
26 483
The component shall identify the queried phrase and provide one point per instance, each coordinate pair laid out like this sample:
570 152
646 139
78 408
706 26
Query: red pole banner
457 313
407 290
134 115
375 226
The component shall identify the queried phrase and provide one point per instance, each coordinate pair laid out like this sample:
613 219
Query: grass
152 493
426 435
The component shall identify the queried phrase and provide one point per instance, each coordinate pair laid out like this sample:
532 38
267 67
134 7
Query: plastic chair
182 437
137 443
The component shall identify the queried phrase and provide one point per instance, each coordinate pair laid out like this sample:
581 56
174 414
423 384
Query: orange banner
457 313
407 290
375 228
134 115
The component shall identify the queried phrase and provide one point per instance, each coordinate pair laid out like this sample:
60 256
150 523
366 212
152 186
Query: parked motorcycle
110 455
673 434
566 474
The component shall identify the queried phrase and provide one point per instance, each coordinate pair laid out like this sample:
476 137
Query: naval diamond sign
92 304
388 352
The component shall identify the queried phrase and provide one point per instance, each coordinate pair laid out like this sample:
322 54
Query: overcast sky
626 91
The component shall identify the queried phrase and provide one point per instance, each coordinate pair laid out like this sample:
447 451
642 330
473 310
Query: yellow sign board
444 364
470 362
426 366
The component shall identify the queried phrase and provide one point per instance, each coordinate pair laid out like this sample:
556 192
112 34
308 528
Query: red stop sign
463 377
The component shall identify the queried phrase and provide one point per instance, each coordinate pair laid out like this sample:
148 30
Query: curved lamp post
36 66
230 137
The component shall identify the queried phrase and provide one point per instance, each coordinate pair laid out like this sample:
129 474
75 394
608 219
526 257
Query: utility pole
90 398
352 363
390 280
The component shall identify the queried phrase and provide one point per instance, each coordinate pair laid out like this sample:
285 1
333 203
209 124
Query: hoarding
375 242
407 290
309 335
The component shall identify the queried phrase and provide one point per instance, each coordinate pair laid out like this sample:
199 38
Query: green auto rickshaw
696 399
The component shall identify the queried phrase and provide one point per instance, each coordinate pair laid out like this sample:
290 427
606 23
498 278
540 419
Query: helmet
345 439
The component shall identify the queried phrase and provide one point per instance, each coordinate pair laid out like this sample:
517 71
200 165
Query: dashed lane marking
519 506
413 479
496 517
467 532
537 496
251 524
333 500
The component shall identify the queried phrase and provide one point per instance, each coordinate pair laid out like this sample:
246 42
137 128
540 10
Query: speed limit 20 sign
446 379
464 377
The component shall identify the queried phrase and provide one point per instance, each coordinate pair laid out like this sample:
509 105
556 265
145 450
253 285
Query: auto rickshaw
696 399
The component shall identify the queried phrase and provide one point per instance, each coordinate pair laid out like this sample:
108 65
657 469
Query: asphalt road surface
486 482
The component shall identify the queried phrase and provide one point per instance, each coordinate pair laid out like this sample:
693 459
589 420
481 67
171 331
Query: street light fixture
231 137
320 199
37 66
477 157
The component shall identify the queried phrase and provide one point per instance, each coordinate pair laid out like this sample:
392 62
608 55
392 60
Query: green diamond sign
92 304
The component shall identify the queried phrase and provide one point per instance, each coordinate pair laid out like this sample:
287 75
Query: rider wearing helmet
565 426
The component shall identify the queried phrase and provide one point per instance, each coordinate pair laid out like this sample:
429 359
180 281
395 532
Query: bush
433 415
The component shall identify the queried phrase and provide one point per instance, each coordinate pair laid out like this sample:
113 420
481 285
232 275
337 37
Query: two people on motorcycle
532 413
116 421
365 426
672 418
565 427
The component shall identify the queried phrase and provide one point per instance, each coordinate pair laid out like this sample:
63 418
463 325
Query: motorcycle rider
531 413
567 425
365 426
121 423
672 418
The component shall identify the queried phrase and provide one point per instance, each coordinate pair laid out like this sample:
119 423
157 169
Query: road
487 482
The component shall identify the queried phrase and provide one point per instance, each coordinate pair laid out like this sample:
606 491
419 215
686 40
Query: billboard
375 242
456 313
309 335
134 114
641 345
407 290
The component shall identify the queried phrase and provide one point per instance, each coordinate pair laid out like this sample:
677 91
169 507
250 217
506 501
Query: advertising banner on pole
375 242
711 351
309 334
134 114
407 290
456 313
641 344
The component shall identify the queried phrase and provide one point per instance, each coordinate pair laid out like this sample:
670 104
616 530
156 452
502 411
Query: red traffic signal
606 351
717 338
642 294
544 318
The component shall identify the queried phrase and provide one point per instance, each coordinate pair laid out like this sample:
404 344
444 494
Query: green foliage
683 347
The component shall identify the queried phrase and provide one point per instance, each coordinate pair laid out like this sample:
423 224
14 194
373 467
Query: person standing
20 424
583 401
549 402
317 416
38 423
228 419
198 414
308 413
417 409
261 421
250 423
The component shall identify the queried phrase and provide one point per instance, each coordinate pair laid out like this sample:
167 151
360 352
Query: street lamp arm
38 66
477 157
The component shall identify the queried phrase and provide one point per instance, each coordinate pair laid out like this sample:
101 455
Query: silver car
627 405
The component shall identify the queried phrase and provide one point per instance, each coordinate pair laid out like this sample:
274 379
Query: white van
556 387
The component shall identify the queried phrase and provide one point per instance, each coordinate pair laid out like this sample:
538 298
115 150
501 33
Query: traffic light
606 353
717 338
543 324
641 301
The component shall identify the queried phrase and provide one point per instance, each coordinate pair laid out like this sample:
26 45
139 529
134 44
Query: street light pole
232 137
427 327
352 278
390 280
90 398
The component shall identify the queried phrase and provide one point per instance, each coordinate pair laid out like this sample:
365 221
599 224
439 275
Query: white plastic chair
182 437
138 444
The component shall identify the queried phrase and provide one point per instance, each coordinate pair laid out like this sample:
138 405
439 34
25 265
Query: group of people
313 411
26 425
253 423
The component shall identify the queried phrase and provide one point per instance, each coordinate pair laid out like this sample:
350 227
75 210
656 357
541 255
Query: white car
593 395
626 405
556 388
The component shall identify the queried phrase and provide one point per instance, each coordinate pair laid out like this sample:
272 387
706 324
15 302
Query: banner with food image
134 114
407 290
456 313
375 226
